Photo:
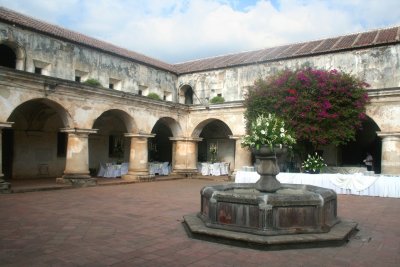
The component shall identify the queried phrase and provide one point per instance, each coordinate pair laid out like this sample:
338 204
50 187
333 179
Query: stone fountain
269 215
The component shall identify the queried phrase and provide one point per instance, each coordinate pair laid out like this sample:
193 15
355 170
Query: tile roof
330 45
19 19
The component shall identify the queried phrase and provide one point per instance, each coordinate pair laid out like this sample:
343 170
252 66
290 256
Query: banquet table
160 168
110 170
355 184
214 169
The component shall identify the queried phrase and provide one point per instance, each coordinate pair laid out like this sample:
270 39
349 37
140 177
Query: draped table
215 169
111 170
356 184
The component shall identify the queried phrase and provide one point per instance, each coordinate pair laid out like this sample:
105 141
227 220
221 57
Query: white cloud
180 30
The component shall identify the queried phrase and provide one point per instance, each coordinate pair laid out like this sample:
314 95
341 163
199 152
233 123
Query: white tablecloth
109 170
215 169
160 168
356 184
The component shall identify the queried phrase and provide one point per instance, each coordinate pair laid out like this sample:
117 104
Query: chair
110 173
165 168
224 168
205 168
124 168
102 170
216 169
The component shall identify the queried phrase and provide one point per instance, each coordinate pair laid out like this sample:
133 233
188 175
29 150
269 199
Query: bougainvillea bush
321 107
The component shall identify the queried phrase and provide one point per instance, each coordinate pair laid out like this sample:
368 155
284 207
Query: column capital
236 137
385 135
190 139
139 135
78 130
5 125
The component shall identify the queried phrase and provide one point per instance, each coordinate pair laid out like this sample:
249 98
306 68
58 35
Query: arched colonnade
49 138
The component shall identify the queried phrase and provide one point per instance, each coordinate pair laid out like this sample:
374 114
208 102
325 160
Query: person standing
369 161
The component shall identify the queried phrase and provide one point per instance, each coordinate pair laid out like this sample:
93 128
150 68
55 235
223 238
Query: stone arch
123 116
160 147
173 125
34 147
366 140
13 55
215 132
199 128
109 144
186 95
33 112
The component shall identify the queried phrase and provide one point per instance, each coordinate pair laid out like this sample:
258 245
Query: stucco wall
378 66
62 59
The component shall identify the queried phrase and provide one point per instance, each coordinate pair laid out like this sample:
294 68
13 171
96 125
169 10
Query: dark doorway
160 147
8 57
189 96
8 152
367 140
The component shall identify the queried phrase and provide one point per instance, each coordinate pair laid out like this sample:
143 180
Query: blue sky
182 30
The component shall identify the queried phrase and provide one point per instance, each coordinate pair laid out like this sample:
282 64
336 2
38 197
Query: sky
177 31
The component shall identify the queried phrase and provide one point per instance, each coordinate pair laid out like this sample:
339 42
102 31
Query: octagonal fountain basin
295 214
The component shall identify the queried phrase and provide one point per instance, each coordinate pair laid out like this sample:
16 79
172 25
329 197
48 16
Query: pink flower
291 99
326 104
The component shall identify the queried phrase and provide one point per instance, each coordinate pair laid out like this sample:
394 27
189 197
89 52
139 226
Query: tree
322 107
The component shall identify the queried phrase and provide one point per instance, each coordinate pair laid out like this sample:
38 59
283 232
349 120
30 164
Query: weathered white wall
378 66
61 59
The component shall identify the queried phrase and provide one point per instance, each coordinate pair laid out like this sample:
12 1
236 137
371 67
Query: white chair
205 168
124 168
224 168
216 169
165 168
102 170
109 173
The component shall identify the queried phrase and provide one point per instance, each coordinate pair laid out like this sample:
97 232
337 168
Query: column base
5 187
78 180
185 172
134 175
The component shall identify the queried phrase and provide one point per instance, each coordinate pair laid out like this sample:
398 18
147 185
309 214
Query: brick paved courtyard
140 225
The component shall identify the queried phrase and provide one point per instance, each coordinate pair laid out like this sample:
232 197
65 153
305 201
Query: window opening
62 139
8 57
38 70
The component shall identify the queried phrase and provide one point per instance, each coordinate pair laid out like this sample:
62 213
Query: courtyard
140 224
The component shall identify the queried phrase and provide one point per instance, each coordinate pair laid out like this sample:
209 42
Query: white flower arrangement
268 131
313 163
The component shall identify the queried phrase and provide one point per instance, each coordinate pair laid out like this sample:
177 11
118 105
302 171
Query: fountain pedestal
267 168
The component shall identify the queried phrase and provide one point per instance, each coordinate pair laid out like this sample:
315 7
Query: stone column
5 187
242 154
138 157
77 161
390 162
184 155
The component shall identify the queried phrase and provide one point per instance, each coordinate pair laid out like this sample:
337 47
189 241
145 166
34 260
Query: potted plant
313 163
268 137
268 132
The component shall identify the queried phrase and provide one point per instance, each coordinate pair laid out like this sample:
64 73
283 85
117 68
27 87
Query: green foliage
322 107
154 96
92 82
313 163
269 131
217 100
